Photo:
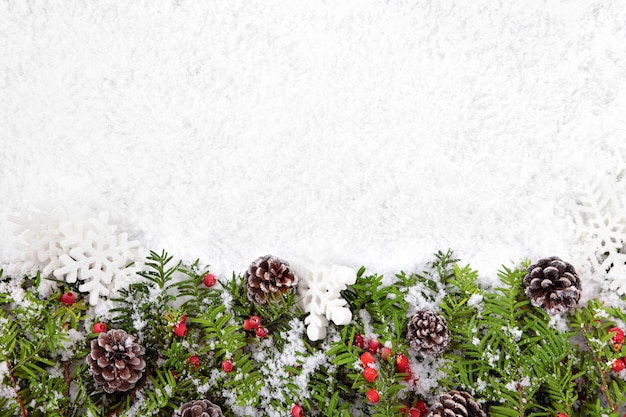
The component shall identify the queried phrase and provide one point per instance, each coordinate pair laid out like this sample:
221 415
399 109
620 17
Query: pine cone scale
108 375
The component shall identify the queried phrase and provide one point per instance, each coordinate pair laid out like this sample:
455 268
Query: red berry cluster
618 338
370 368
254 323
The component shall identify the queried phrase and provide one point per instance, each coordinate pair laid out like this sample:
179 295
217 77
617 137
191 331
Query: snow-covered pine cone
553 285
116 361
456 404
266 277
428 333
199 408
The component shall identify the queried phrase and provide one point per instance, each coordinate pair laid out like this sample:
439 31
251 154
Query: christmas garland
181 341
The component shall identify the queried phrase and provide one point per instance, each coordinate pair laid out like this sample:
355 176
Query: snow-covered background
372 132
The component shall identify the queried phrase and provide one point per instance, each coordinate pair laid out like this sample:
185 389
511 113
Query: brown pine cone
116 361
199 408
456 404
268 276
553 285
428 333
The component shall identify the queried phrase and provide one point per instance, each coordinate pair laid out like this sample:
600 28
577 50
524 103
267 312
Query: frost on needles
505 355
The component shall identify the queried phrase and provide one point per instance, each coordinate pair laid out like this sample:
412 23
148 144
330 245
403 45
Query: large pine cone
553 285
267 277
428 333
199 408
116 361
456 404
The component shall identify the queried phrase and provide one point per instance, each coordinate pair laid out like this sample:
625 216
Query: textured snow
378 131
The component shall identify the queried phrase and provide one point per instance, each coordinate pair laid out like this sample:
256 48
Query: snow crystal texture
378 131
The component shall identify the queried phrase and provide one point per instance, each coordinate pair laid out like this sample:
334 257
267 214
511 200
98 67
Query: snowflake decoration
75 247
599 217
319 287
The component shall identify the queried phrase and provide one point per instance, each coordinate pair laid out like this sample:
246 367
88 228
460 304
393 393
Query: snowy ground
373 132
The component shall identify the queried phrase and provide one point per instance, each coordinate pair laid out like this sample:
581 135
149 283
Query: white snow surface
376 132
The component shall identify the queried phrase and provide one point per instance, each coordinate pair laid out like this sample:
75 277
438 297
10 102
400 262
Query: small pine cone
428 333
456 404
116 361
266 277
553 285
199 408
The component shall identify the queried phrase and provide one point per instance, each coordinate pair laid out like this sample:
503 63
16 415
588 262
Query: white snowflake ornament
76 247
598 216
319 288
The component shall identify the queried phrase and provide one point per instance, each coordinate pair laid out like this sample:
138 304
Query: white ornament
75 247
599 220
319 288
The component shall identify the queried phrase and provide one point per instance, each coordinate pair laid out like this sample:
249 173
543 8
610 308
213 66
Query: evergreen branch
68 382
20 402
599 367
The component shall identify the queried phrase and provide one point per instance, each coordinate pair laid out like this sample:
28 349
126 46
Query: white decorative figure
76 247
319 288
598 215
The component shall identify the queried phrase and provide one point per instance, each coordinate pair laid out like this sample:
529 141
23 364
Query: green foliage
36 350
386 305
513 357
511 354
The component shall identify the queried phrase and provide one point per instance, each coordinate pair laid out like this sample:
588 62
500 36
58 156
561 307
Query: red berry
367 359
421 405
255 321
180 329
358 340
209 280
561 415
404 410
183 319
227 366
618 337
247 326
386 353
414 412
618 365
297 411
194 361
370 374
372 395
402 363
99 327
373 346
68 298
261 332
